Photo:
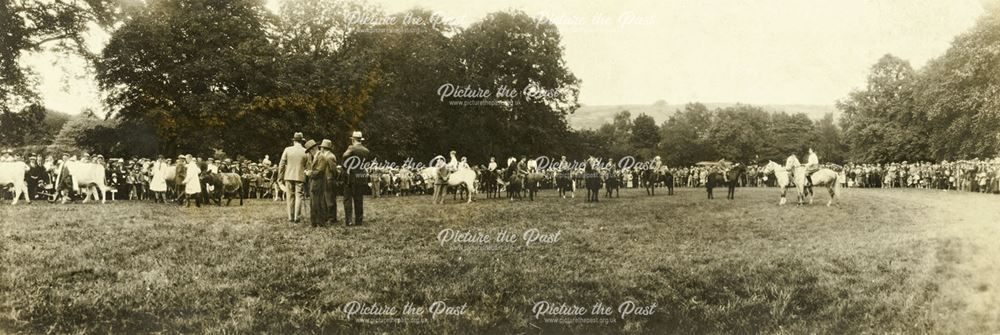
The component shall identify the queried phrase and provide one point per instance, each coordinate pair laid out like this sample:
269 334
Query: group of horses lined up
520 184
514 184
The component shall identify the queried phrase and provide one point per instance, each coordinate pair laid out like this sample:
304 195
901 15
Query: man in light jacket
294 161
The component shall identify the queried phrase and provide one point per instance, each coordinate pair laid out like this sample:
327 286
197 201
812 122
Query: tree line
741 133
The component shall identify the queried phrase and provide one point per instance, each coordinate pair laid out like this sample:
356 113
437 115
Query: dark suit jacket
357 177
323 167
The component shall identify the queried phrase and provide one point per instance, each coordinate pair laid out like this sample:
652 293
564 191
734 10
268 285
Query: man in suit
180 171
292 167
314 186
357 179
321 179
37 177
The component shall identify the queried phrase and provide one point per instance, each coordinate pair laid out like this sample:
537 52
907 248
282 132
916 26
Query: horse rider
493 164
452 162
812 164
464 163
723 168
522 165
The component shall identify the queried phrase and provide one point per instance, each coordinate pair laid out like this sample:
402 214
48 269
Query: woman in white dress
192 182
158 184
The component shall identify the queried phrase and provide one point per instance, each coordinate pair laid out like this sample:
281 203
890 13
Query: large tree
881 123
187 69
740 133
958 95
516 51
685 136
645 136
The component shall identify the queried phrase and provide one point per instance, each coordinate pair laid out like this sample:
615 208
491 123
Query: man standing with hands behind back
294 162
357 179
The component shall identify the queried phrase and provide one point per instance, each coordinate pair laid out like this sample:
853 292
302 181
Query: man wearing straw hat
357 179
294 161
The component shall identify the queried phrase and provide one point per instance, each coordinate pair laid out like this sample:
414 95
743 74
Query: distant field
896 261
593 116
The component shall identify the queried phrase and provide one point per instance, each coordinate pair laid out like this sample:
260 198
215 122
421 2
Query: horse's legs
468 189
17 194
832 194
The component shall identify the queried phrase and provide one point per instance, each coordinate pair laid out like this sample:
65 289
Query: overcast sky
641 51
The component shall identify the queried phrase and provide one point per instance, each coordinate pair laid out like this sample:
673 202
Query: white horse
781 174
12 173
83 176
463 177
825 177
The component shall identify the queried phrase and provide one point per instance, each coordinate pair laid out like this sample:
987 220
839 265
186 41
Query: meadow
883 261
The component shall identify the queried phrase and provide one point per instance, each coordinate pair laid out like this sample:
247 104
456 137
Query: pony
650 178
88 175
463 178
718 179
564 183
531 181
824 177
593 182
612 183
225 184
799 177
515 182
781 178
12 173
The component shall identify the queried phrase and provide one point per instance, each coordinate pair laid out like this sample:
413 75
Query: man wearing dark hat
323 209
292 167
357 179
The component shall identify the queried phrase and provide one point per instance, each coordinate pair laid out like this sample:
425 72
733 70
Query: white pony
781 174
12 173
463 177
84 176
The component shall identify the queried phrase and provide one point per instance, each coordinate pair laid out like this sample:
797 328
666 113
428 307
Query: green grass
883 261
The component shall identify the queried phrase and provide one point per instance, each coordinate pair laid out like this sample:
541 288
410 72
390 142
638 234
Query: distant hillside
595 116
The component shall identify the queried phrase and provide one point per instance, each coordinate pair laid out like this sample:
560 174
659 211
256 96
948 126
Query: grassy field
896 261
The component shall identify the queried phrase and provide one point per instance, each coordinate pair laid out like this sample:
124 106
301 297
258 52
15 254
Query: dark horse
593 181
650 178
564 182
515 183
612 182
226 185
531 181
717 179
489 183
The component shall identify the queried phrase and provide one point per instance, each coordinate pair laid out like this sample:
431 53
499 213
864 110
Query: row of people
135 178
